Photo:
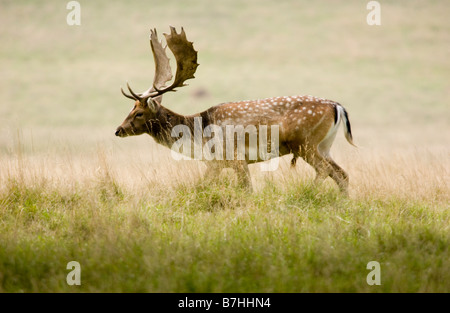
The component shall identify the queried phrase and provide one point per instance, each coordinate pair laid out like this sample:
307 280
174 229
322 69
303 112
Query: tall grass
190 236
136 220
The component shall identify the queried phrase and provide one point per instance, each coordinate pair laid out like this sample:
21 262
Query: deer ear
154 103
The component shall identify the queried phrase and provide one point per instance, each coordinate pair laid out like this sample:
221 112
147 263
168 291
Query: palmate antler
186 58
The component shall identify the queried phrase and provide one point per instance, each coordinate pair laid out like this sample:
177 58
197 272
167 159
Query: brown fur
307 125
304 123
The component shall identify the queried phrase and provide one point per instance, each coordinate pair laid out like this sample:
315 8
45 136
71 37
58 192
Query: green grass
219 238
137 220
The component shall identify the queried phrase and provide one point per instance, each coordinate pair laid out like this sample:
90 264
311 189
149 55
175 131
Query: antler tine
128 96
136 96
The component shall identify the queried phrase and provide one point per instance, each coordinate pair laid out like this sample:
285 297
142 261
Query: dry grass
420 174
139 221
160 229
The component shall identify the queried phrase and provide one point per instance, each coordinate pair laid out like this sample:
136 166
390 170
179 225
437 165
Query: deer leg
325 167
243 174
213 170
319 163
293 161
339 176
296 154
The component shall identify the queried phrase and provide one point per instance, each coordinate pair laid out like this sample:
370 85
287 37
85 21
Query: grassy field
138 221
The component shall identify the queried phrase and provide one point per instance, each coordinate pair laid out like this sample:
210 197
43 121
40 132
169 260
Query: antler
185 56
163 73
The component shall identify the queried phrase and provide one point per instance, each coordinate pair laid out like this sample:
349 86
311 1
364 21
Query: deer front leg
243 174
213 169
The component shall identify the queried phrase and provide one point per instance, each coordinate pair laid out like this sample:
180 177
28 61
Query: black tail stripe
336 113
347 124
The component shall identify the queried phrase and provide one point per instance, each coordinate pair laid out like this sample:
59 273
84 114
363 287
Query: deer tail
341 114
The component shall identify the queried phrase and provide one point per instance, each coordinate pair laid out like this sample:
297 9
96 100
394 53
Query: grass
136 220
288 236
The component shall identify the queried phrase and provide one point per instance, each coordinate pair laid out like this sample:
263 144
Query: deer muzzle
120 132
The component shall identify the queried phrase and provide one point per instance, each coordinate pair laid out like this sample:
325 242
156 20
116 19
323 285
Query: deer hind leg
325 167
336 173
318 162
339 176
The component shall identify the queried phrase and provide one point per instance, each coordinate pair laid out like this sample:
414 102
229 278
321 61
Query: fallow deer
307 124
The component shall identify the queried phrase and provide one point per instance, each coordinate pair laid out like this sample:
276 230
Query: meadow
138 221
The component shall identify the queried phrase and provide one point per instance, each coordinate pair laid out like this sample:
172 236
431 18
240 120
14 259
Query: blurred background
60 84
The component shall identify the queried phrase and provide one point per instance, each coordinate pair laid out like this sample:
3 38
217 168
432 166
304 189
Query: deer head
147 105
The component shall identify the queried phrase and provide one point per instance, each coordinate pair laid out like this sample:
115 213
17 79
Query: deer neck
160 127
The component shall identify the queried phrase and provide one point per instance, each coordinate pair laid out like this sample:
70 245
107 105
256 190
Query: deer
307 125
